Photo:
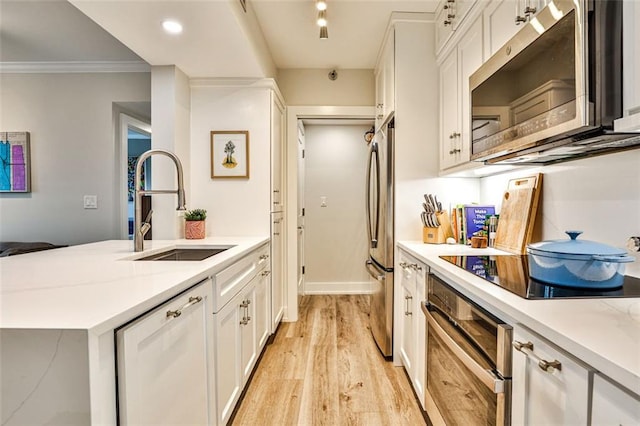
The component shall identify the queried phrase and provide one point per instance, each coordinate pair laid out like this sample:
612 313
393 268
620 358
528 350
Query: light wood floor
325 369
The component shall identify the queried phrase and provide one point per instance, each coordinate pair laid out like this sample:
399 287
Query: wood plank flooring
325 369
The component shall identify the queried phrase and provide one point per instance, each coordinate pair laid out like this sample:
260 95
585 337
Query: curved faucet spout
140 230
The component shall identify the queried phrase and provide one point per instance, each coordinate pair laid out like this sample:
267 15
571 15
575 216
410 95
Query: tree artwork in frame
229 154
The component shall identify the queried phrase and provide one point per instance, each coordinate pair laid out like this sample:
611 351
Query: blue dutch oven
577 263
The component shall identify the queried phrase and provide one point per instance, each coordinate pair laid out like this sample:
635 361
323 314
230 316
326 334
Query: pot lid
577 247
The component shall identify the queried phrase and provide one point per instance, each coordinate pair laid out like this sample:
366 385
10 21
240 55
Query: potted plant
194 228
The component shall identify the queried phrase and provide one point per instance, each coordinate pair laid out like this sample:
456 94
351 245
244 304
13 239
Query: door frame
295 113
126 121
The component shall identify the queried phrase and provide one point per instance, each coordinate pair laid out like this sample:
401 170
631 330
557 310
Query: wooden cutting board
518 213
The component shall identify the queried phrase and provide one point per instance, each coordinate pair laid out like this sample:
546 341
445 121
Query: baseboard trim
355 287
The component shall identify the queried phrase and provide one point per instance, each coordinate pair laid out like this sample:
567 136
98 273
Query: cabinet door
248 330
277 271
163 354
449 112
500 23
419 321
407 310
277 140
262 310
631 60
389 75
444 24
408 343
613 405
470 57
228 371
385 83
556 396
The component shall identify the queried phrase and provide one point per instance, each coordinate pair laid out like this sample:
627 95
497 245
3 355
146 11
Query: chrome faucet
141 229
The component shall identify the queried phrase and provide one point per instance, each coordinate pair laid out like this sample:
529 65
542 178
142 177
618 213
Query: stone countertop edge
99 286
603 333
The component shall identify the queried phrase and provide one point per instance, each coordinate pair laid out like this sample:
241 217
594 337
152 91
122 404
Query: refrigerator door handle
372 227
374 272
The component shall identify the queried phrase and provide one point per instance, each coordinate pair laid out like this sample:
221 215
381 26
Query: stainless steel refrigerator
379 212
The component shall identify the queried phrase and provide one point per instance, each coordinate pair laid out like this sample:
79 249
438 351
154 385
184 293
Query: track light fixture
322 18
321 5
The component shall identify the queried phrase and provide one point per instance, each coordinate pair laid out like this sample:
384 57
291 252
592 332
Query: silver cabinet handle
263 258
447 23
527 349
454 151
178 312
265 273
520 19
529 10
407 311
416 267
404 265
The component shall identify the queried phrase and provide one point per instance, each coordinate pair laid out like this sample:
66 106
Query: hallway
325 369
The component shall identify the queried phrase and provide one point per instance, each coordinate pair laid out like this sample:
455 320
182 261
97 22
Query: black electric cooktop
511 272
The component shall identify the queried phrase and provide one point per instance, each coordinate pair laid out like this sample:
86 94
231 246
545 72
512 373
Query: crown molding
74 67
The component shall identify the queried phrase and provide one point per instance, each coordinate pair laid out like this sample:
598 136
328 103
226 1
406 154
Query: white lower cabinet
165 355
613 405
241 330
412 275
550 387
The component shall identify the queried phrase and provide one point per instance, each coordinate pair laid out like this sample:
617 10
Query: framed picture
15 162
230 154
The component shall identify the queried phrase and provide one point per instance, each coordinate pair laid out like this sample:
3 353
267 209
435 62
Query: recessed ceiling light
171 26
321 5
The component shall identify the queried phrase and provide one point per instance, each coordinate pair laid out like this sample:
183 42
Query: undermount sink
185 254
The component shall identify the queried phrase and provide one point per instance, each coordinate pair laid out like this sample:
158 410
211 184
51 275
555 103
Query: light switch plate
90 201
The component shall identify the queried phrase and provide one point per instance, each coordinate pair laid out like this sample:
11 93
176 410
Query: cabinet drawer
228 282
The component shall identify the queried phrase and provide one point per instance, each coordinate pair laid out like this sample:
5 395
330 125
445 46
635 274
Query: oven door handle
495 383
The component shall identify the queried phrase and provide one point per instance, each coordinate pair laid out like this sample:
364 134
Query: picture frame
15 162
230 154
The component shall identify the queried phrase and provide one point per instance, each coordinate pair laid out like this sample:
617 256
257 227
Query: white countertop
97 287
604 333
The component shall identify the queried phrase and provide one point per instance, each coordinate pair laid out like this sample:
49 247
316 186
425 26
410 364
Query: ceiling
219 38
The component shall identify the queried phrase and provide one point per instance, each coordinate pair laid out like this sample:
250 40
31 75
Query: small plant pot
194 229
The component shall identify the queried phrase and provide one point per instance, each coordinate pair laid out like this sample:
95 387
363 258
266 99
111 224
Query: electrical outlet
323 201
90 201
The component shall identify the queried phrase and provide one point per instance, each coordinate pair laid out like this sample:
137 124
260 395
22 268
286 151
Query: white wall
599 196
312 87
170 123
73 153
235 207
335 235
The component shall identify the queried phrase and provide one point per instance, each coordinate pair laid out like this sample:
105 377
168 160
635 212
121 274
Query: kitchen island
58 312
603 333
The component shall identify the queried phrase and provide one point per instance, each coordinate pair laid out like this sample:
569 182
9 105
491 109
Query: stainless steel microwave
552 92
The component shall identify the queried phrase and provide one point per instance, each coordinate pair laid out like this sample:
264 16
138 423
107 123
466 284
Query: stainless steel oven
468 362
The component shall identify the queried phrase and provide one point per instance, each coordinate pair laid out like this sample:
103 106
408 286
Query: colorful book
474 218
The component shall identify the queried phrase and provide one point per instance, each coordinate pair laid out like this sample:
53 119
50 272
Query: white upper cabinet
455 112
277 141
449 16
385 80
630 68
503 19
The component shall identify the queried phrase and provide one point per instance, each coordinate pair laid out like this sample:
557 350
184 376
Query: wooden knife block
439 234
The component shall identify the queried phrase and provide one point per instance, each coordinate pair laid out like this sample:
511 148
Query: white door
301 175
